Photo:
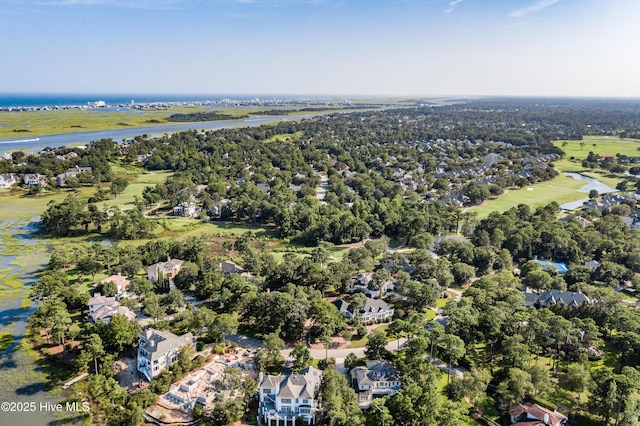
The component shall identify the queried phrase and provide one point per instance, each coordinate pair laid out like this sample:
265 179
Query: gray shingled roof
569 298
304 385
156 341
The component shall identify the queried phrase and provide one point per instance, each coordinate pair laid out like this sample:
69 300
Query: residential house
377 379
164 271
373 309
216 209
159 349
35 179
121 282
103 308
185 209
551 297
289 397
441 238
529 414
264 187
98 301
361 284
7 180
230 267
592 264
72 172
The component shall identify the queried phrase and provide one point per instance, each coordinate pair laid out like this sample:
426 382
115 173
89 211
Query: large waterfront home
159 349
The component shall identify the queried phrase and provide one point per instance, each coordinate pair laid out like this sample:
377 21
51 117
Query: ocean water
61 99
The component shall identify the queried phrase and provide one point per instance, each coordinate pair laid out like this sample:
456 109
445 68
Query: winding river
37 143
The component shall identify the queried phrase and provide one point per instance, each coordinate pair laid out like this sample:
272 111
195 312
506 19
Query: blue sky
324 47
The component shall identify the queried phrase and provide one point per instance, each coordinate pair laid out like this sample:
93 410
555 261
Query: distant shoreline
32 101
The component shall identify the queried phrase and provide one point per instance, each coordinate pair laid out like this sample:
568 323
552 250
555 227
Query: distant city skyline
577 48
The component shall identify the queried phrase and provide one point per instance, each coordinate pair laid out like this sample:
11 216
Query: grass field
561 189
602 145
192 227
126 200
285 137
38 123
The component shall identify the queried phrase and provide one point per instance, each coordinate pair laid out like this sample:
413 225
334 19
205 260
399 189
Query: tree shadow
30 389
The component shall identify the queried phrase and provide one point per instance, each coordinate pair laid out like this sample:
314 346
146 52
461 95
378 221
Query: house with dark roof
72 172
159 349
551 297
286 398
529 414
377 379
373 309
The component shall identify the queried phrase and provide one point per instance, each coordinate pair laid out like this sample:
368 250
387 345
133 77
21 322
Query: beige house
121 282
164 270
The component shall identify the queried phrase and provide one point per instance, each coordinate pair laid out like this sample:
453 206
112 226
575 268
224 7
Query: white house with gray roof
102 308
7 180
373 309
159 349
285 398
377 379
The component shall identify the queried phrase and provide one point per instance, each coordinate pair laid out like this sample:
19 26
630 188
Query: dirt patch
168 416
60 350
126 372
336 343
351 245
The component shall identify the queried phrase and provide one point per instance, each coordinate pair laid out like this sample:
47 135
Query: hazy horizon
322 48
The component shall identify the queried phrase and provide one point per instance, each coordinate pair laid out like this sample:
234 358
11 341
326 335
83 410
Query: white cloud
452 6
536 7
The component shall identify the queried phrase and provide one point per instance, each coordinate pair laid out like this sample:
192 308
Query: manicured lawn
604 145
441 384
285 137
360 343
137 184
561 189
441 303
